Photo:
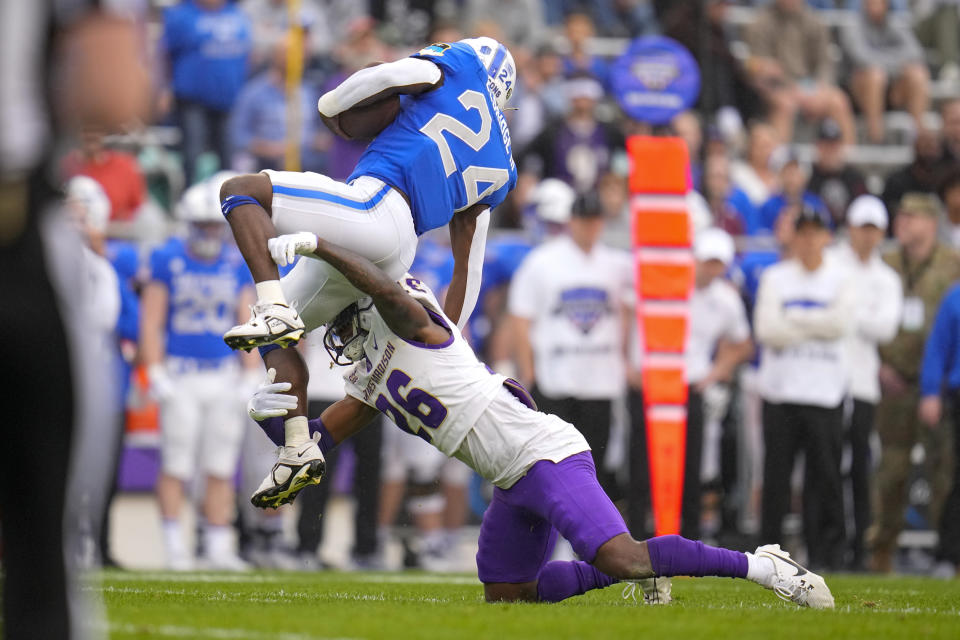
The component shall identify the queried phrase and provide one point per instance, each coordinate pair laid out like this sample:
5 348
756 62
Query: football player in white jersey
409 362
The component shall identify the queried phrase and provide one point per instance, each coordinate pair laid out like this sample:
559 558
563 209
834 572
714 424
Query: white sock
270 291
296 430
218 540
760 570
173 539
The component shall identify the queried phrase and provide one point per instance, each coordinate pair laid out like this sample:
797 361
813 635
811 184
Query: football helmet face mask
347 332
500 68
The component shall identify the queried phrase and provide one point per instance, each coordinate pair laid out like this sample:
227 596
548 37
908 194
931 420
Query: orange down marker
659 180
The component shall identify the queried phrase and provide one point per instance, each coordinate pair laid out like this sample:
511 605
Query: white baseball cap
714 244
866 210
553 200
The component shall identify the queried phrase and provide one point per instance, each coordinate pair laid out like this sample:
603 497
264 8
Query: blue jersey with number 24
448 148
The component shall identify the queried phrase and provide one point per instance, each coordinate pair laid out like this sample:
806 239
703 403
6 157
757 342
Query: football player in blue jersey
445 159
189 301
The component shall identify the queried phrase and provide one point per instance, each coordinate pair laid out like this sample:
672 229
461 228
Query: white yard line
254 578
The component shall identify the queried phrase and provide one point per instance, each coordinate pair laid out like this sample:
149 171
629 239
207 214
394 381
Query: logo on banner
584 306
655 79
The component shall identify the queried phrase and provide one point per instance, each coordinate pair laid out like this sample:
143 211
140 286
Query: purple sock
275 430
677 556
560 580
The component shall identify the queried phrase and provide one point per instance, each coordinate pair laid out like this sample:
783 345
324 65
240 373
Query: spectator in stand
926 269
719 342
579 149
791 67
950 152
950 196
730 207
795 195
206 45
117 172
920 176
258 123
803 317
579 29
939 380
834 181
876 320
568 307
887 61
938 29
521 21
755 175
686 125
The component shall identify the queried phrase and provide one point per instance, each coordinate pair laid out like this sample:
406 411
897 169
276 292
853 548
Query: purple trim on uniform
561 580
275 430
518 391
440 321
676 556
520 526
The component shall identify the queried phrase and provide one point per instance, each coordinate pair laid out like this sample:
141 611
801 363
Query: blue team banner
655 79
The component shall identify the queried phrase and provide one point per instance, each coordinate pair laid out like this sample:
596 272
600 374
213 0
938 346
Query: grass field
300 606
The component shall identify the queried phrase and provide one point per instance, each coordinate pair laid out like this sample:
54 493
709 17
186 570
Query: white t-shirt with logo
575 301
716 311
803 320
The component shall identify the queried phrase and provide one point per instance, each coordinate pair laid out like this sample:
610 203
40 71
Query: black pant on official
861 425
366 491
950 519
817 431
36 369
593 419
638 500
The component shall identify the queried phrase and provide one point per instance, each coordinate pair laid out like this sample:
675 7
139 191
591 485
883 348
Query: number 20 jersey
434 391
448 148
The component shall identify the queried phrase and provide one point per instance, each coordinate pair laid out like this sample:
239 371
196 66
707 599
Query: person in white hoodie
876 320
803 316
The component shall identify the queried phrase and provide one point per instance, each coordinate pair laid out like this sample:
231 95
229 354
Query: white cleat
296 468
269 323
794 583
224 562
655 590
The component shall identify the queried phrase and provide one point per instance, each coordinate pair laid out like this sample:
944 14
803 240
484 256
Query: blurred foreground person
410 363
100 80
190 300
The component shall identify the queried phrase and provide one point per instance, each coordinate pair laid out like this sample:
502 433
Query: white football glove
268 401
284 248
161 386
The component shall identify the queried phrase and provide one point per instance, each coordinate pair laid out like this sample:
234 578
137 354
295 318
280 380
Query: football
364 123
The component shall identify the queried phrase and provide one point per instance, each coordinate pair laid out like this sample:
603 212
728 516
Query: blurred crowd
825 156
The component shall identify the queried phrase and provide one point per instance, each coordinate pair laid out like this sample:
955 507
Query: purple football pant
520 526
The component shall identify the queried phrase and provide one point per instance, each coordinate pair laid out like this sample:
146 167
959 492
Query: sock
275 428
760 570
217 540
173 539
270 291
560 580
677 556
296 431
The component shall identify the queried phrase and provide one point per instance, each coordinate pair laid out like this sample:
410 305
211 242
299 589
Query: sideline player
190 300
411 364
446 158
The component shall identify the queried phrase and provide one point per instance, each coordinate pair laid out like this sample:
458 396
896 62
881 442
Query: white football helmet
201 202
500 67
347 332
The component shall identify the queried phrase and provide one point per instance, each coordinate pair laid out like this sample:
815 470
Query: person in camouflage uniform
927 269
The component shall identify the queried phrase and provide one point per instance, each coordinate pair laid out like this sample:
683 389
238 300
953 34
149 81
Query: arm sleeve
475 268
738 329
831 322
880 322
522 299
369 82
160 267
771 324
939 346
